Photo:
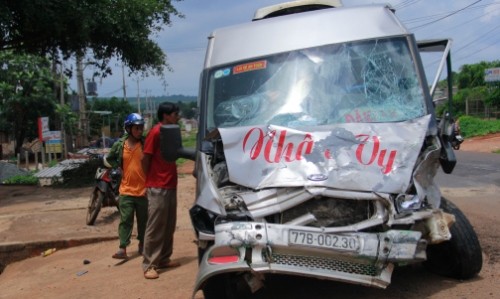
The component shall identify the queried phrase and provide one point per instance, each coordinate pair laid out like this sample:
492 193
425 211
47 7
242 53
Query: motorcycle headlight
408 202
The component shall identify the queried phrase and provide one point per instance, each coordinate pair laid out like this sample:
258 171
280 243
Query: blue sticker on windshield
222 73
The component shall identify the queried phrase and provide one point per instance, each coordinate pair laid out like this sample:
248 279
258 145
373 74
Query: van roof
299 31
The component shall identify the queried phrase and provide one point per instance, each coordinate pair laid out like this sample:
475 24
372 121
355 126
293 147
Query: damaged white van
317 150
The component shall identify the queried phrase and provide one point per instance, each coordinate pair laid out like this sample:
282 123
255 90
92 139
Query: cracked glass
369 81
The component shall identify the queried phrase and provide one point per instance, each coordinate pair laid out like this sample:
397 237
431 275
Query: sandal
151 273
121 254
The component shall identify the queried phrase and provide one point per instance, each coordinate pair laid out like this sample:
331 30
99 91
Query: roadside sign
53 142
492 74
43 128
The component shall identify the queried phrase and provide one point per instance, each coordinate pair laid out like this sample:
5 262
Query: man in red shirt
161 184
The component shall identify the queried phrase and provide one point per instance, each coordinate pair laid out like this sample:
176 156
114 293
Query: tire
461 257
95 205
226 286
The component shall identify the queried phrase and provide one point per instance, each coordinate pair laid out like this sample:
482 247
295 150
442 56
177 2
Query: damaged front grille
331 212
322 263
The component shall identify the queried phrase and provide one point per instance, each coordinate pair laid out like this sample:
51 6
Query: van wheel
460 257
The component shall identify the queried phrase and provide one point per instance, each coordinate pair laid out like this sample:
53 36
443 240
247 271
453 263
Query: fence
478 108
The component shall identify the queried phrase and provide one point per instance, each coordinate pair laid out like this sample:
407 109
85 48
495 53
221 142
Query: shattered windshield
369 81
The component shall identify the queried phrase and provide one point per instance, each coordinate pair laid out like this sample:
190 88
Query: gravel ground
8 170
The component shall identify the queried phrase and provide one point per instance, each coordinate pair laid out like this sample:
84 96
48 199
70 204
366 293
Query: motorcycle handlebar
97 157
93 155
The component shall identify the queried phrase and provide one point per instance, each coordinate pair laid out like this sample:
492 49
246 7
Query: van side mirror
447 158
171 144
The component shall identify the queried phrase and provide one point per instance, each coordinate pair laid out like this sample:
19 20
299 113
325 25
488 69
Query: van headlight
408 202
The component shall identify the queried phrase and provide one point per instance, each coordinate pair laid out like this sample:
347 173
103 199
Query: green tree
493 96
119 110
67 118
25 93
188 109
468 94
472 87
472 75
109 28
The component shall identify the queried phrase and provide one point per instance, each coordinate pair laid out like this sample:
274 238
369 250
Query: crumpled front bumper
354 257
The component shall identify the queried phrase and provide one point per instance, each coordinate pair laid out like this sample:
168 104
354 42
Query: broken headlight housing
407 202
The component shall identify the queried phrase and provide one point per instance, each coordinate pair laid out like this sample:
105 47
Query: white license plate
339 242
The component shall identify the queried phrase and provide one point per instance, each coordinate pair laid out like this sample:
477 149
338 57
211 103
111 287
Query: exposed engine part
331 212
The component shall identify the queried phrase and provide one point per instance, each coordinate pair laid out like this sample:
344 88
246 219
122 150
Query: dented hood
377 157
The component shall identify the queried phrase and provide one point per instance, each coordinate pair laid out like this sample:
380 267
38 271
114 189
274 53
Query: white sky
474 26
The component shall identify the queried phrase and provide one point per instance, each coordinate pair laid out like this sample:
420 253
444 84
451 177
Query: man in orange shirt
127 153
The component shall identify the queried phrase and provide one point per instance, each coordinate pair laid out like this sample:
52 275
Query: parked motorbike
456 136
105 193
450 129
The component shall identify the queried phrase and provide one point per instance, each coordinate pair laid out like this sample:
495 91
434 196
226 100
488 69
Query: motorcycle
456 136
105 193
451 130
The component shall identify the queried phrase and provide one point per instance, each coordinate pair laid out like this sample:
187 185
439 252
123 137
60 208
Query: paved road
472 170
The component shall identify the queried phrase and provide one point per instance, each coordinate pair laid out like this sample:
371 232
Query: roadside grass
22 179
473 126
188 141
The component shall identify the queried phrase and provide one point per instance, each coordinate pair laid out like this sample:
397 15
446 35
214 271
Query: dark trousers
159 236
130 205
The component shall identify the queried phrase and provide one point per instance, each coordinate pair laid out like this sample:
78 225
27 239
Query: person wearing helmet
126 153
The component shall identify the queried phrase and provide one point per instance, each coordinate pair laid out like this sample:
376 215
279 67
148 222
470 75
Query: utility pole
124 87
82 124
138 98
63 132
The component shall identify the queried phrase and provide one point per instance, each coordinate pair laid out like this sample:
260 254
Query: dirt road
482 144
40 214
29 213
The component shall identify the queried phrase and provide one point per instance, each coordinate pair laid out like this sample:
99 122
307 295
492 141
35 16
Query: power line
467 45
470 43
448 15
477 51
112 92
471 20
432 17
405 4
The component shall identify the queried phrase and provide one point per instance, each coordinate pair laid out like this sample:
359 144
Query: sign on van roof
294 7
